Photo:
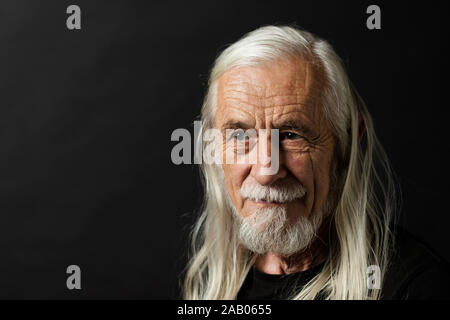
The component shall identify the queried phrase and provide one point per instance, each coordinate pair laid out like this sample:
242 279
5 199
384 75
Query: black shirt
415 272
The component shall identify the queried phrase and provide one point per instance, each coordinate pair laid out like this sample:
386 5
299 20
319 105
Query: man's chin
277 236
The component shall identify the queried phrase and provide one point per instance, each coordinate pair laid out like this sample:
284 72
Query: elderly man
319 226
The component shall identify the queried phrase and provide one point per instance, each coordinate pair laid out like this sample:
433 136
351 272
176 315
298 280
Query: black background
86 118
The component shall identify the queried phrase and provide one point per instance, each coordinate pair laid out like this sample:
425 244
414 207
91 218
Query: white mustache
277 193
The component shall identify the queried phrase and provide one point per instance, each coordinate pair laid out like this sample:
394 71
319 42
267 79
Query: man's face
285 95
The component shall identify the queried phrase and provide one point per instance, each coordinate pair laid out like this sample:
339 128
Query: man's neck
272 263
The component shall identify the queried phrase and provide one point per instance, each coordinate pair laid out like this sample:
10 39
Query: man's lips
265 202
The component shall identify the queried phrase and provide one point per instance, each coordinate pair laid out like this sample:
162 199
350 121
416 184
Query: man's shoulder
416 271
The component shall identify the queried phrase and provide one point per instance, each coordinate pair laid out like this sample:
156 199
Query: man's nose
268 167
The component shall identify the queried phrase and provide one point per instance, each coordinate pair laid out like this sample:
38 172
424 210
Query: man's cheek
302 169
234 177
228 181
321 176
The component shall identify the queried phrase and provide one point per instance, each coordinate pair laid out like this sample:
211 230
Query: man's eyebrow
295 125
231 124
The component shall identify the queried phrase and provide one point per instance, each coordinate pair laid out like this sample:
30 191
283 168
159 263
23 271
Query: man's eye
290 136
239 135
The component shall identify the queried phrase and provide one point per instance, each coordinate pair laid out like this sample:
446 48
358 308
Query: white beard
268 230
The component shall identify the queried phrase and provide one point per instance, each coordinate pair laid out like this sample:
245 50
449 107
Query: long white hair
359 235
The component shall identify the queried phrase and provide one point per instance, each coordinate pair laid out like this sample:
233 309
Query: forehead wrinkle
273 105
243 96
283 114
242 86
274 95
240 110
231 93
276 100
